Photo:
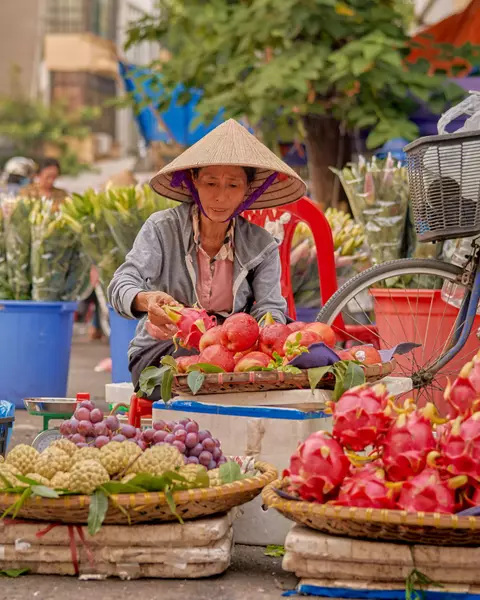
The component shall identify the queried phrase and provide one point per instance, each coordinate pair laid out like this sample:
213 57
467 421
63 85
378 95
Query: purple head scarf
180 177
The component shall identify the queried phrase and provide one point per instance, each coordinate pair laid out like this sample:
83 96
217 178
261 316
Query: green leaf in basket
171 504
316 374
354 375
15 508
98 510
117 487
167 382
339 371
150 378
156 483
206 368
195 381
169 361
14 572
230 472
44 492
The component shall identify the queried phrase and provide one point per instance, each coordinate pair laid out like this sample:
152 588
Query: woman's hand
158 324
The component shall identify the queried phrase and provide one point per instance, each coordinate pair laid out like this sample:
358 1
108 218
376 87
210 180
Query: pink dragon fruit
361 416
318 467
459 447
366 488
192 323
427 492
407 444
464 394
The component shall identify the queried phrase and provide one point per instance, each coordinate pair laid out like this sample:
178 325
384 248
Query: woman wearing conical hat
203 252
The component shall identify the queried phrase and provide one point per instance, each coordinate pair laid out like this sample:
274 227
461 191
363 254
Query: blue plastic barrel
35 343
122 331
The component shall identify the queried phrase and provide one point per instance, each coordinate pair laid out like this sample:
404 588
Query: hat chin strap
181 177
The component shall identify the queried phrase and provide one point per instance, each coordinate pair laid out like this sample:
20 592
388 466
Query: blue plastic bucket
122 332
35 343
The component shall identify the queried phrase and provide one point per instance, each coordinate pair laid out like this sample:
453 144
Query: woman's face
46 177
221 190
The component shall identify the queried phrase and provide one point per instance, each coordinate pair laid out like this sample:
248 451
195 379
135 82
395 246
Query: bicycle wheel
420 314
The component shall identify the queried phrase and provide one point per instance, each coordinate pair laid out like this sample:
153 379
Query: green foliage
30 124
276 61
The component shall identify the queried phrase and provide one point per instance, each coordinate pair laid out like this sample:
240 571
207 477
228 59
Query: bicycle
444 181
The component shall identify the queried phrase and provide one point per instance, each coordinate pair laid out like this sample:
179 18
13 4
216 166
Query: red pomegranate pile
411 459
242 344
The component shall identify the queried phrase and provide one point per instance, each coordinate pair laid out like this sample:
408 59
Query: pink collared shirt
215 275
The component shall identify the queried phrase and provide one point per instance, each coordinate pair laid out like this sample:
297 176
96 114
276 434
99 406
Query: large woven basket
375 524
147 507
264 381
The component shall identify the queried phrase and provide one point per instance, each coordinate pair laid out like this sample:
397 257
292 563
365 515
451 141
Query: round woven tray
221 383
375 524
147 507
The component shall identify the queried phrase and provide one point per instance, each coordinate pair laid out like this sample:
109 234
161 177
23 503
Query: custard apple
196 476
214 477
86 453
60 481
23 457
7 476
87 476
66 445
51 461
2 460
117 456
158 459
37 478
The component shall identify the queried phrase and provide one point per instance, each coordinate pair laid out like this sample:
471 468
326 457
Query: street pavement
252 575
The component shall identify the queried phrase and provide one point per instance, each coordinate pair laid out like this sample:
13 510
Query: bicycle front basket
444 182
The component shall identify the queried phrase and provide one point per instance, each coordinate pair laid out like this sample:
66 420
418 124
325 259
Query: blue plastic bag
7 409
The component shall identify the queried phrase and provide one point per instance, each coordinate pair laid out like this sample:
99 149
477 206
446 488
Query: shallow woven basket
147 507
264 381
375 524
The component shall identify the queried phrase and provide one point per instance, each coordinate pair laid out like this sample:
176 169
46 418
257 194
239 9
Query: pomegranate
459 447
183 362
296 326
366 488
325 333
219 356
298 342
407 444
240 332
251 360
192 323
463 396
272 338
367 355
427 492
211 337
361 416
318 467
344 354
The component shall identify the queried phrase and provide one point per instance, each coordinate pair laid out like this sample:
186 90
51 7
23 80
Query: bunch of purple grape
198 446
90 427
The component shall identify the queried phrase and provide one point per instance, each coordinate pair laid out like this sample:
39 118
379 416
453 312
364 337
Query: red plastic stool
139 409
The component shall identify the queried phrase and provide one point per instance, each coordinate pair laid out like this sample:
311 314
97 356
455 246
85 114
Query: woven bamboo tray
146 507
375 524
227 383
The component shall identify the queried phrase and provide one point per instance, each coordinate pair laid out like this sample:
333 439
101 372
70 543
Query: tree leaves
195 381
150 378
347 374
97 511
14 573
230 472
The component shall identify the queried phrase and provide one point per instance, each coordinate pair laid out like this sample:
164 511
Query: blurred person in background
17 173
43 185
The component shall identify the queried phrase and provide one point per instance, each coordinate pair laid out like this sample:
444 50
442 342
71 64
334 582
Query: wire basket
444 181
6 425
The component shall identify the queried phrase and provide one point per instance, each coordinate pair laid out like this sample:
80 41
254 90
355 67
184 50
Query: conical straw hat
231 144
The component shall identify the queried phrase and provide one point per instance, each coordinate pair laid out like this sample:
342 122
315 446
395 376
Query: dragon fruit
459 447
427 492
464 394
407 444
192 323
366 488
361 416
318 467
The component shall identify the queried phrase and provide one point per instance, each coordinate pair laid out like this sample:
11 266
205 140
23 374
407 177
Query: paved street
252 574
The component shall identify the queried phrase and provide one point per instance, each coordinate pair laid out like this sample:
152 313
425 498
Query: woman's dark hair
14 179
250 172
48 162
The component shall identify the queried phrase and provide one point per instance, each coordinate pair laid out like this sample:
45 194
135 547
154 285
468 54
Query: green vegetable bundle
18 243
109 221
5 291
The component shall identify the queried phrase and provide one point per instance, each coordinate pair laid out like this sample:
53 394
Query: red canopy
457 30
